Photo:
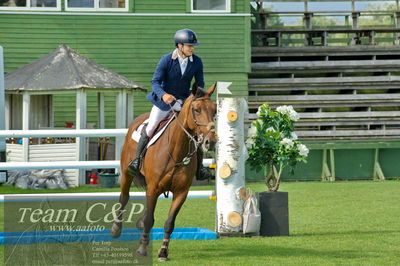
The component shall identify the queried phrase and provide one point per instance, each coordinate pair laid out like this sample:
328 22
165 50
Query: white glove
178 105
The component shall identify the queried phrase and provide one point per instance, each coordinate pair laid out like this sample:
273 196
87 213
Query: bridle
192 138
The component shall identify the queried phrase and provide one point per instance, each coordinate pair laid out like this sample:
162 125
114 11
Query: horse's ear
197 92
194 88
211 89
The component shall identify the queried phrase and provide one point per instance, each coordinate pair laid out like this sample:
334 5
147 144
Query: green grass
341 223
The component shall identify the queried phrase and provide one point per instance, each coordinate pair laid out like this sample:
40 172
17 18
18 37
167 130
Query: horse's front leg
148 222
177 202
123 200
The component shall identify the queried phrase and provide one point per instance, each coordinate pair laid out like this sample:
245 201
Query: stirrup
135 164
134 167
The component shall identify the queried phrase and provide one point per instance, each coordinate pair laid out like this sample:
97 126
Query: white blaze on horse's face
203 113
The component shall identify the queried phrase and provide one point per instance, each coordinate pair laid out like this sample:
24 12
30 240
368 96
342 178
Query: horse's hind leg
177 202
148 222
126 182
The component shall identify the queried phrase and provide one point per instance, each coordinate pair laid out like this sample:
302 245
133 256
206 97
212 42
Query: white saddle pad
136 134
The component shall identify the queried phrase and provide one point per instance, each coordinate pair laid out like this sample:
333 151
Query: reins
192 139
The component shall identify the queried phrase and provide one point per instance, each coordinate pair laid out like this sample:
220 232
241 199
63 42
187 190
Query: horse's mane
198 94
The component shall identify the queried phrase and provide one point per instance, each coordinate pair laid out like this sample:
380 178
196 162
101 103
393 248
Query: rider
171 86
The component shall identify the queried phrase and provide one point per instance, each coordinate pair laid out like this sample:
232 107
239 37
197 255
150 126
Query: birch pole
230 176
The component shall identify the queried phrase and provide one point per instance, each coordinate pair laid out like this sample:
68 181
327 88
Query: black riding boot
134 166
202 172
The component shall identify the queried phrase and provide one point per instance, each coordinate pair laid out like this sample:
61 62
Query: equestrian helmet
186 36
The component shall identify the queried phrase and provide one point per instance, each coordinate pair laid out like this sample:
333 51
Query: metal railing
66 164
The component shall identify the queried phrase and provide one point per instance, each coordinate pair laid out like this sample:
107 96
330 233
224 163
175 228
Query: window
37 5
96 5
211 5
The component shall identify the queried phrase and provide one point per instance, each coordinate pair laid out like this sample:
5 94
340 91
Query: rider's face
186 49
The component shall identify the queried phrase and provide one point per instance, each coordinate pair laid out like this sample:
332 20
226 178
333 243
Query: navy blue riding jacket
167 78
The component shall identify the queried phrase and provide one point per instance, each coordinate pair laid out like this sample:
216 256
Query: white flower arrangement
303 150
287 143
288 110
272 144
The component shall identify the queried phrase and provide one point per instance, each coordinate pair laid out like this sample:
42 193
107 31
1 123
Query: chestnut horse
169 164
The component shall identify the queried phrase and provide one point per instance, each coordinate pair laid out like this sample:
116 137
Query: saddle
157 133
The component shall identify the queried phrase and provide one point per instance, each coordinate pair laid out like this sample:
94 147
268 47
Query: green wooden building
128 37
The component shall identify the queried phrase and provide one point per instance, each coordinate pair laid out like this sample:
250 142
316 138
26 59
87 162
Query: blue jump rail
33 237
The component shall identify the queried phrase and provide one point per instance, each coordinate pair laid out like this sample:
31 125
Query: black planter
274 210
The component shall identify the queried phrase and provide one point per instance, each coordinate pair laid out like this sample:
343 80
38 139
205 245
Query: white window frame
97 7
29 8
227 10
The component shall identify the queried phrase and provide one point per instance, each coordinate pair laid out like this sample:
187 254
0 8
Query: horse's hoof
162 254
141 251
116 230
163 259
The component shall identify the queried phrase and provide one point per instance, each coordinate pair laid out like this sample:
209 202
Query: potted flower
272 145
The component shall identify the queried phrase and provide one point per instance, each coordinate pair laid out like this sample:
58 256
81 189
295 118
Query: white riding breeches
156 115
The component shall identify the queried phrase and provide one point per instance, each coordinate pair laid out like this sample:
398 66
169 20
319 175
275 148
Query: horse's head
200 115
